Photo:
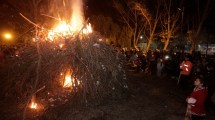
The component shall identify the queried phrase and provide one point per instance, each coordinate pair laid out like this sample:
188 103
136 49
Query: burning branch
29 20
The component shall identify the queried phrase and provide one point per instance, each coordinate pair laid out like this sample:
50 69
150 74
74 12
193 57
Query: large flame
77 20
75 25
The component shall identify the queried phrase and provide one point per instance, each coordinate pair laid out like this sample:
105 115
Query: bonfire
68 63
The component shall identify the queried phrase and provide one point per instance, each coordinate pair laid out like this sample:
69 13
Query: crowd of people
195 75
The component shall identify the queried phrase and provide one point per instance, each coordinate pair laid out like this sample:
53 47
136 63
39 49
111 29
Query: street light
8 36
182 14
182 22
141 37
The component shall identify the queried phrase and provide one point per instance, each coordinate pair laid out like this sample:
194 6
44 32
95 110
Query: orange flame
74 26
70 82
33 104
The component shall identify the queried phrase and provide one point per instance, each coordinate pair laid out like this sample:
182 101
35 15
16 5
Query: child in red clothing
196 101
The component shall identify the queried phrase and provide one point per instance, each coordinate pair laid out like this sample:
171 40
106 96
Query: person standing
185 74
160 66
196 100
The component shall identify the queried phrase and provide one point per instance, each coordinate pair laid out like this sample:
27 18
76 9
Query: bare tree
150 22
169 21
106 27
124 38
131 18
30 8
196 29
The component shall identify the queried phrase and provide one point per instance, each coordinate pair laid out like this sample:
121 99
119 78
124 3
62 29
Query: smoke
67 10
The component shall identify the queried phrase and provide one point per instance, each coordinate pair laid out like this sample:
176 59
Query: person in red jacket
196 101
185 74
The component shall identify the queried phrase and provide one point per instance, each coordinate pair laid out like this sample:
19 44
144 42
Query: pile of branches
97 70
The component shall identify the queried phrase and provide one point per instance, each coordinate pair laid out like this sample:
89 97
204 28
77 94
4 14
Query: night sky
210 21
105 7
97 7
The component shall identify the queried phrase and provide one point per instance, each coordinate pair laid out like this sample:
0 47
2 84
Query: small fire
33 104
88 29
70 82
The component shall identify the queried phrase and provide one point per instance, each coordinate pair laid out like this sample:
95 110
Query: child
196 101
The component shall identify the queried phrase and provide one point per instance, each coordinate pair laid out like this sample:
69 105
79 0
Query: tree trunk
193 47
149 44
166 44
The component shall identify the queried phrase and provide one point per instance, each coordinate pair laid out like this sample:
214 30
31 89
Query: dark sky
96 7
210 21
105 7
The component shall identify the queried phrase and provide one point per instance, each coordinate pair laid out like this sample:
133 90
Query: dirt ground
150 98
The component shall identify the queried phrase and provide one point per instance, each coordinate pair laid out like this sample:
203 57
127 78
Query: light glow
7 36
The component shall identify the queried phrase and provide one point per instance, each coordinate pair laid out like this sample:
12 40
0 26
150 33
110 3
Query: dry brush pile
96 68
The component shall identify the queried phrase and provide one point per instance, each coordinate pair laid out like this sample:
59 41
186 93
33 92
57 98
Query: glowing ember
61 45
